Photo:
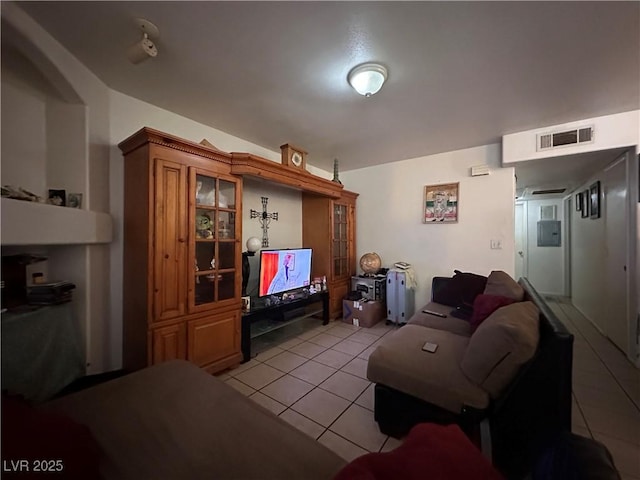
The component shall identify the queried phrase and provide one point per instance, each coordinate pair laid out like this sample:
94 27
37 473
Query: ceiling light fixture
367 79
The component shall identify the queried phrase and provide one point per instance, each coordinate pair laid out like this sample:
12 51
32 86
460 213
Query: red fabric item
485 305
37 444
430 452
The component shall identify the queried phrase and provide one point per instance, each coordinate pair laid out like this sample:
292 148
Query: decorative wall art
58 197
579 201
265 219
585 204
594 192
441 203
74 200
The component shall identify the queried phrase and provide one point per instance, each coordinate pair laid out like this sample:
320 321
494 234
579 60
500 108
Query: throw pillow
500 283
35 435
484 305
461 289
430 451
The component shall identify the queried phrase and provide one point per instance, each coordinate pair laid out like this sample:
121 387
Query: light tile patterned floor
317 382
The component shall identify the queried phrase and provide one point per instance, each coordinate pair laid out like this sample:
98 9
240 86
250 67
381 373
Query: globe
370 263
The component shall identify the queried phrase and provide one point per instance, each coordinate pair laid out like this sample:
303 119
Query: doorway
520 241
615 196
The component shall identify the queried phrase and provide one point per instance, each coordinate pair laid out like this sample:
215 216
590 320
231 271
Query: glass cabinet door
340 239
214 240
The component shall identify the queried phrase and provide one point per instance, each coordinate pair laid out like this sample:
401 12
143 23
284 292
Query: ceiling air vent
551 191
576 136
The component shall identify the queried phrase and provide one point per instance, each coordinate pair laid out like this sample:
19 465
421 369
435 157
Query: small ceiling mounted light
367 79
145 48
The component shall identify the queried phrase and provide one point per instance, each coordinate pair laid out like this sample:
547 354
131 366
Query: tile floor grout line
615 378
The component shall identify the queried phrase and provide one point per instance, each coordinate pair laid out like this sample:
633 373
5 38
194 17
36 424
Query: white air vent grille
547 212
565 138
479 170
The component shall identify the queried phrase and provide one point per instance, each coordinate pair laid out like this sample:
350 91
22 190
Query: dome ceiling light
367 79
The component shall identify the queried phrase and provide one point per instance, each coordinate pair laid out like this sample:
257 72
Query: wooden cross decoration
265 219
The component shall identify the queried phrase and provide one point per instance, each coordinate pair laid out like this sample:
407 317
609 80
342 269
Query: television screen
284 270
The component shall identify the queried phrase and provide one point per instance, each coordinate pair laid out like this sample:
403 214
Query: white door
521 235
615 216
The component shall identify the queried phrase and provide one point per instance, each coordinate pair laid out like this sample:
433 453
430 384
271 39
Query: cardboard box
362 314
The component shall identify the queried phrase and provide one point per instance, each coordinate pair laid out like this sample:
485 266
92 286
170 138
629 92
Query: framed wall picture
58 197
594 199
441 203
585 204
74 200
579 200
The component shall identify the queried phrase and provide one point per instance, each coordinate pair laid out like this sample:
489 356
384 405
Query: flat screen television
284 270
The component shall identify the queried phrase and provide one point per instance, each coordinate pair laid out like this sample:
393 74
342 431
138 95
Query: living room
389 206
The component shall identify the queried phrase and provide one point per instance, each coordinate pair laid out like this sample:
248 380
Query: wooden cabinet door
337 292
169 240
169 343
215 338
340 241
215 234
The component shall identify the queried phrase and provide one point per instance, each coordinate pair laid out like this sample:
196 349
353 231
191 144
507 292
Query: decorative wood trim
148 135
241 163
251 165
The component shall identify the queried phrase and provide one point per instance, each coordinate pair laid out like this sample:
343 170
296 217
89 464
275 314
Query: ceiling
461 74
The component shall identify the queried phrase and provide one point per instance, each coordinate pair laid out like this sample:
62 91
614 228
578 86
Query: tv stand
267 316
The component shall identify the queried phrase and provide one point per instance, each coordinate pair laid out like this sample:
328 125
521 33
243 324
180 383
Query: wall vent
547 212
550 191
576 136
479 170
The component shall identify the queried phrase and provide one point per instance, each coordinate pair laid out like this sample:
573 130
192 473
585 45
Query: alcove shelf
32 223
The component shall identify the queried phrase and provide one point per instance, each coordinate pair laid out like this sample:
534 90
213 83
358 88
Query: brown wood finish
163 316
170 269
320 233
339 289
252 165
160 322
137 267
169 343
222 332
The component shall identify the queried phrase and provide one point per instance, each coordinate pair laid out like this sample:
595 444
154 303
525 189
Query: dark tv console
267 315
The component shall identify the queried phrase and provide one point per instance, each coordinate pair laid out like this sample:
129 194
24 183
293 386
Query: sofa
501 371
169 421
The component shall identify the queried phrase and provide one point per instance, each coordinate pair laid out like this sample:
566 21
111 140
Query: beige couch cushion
399 362
449 323
506 340
500 283
175 421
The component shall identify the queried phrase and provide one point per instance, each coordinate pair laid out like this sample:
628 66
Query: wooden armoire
182 253
329 228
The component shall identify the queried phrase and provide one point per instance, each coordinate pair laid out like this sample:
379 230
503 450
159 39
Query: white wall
24 157
610 131
545 265
45 70
588 267
390 210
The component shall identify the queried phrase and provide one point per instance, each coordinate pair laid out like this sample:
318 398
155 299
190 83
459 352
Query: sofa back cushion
505 341
484 305
461 289
500 283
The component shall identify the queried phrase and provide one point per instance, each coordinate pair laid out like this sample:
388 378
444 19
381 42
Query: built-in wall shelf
31 223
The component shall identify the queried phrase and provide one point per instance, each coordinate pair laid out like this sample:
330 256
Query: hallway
606 390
